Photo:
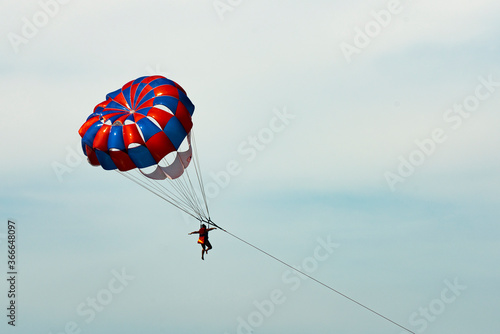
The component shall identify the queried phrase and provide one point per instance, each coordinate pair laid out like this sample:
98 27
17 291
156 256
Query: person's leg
203 251
209 246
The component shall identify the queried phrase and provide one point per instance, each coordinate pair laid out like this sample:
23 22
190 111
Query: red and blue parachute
146 127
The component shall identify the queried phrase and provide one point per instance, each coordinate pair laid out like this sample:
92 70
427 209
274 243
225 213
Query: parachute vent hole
164 108
154 122
184 146
168 159
133 145
148 170
140 131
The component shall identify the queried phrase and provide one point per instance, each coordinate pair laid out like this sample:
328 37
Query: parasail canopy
146 127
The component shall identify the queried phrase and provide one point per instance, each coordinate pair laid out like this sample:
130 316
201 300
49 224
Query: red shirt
203 235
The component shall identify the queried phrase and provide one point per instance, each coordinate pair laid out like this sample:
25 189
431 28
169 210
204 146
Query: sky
365 139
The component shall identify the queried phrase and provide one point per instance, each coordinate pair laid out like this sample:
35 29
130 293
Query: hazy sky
366 139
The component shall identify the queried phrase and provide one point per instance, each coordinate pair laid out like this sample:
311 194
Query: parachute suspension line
159 194
184 186
201 189
197 168
312 278
164 194
195 198
180 194
149 185
157 187
181 188
189 191
160 188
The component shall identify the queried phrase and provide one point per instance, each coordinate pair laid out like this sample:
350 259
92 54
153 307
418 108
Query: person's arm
212 228
194 232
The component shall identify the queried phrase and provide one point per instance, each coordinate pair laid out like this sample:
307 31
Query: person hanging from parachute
203 239
144 131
